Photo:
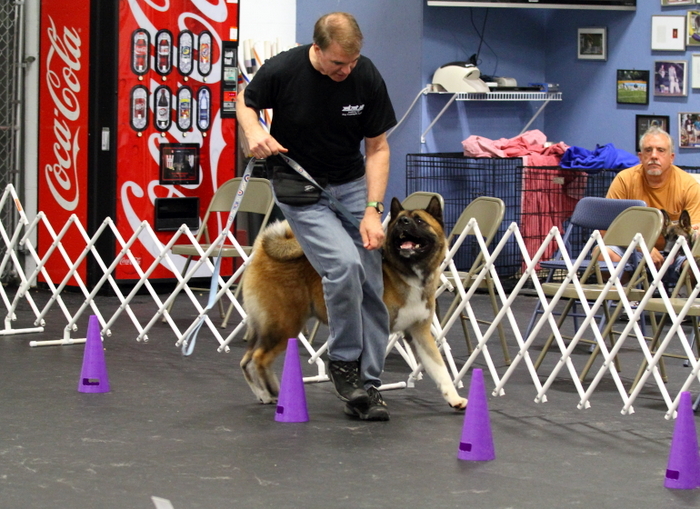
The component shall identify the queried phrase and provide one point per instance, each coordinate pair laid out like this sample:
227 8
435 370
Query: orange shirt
680 192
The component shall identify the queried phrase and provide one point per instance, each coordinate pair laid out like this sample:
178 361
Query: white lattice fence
19 234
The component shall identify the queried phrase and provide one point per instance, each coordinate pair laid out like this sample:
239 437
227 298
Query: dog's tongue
408 245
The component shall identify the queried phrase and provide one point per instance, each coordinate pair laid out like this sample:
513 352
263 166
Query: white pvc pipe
30 128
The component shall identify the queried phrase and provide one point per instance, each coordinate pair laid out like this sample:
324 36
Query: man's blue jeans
351 275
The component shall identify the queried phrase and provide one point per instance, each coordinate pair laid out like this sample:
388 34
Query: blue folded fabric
605 157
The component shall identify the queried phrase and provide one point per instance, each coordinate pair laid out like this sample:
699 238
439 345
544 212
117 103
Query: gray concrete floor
188 429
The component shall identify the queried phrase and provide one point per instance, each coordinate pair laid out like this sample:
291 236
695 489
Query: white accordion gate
24 230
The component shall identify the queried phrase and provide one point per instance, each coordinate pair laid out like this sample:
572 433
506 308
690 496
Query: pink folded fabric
530 143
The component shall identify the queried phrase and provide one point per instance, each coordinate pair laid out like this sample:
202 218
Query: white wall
269 20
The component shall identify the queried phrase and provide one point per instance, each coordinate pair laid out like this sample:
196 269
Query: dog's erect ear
667 219
396 207
684 220
435 210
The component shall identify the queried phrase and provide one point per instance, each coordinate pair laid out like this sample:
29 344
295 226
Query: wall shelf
510 96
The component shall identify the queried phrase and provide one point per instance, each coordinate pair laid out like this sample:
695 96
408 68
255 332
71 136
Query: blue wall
393 31
513 46
408 40
589 114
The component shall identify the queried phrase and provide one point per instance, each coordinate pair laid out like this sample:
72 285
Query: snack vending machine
137 122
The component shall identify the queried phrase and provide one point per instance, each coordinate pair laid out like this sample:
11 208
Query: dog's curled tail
278 242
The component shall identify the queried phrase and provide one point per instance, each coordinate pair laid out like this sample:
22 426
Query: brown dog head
671 230
415 240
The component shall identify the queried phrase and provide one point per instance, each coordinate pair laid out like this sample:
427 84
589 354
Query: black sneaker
375 411
346 381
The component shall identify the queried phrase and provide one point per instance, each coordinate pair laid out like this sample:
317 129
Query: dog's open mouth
410 245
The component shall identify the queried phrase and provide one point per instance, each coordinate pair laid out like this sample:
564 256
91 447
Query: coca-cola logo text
62 64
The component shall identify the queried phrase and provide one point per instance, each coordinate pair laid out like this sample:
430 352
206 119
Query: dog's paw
459 404
268 399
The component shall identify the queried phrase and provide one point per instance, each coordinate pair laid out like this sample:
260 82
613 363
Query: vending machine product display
132 114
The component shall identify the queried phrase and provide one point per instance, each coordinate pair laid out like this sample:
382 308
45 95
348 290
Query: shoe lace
349 372
375 397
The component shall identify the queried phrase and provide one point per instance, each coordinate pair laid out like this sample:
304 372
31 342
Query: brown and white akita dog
281 291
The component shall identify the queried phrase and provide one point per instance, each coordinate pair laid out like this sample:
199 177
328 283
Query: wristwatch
377 205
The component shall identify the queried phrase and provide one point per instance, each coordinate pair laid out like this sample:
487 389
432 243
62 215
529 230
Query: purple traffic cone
477 441
93 376
291 405
683 470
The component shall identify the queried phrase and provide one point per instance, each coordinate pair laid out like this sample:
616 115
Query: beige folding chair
591 213
656 305
646 221
258 199
417 200
488 212
421 199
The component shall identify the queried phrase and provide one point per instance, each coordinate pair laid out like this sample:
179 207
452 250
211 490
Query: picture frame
632 86
678 2
593 43
692 29
695 70
689 130
179 164
668 33
671 78
644 122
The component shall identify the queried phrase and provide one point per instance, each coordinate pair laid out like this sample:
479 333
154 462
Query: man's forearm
248 118
377 167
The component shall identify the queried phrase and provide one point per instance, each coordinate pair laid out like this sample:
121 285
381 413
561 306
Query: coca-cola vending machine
137 121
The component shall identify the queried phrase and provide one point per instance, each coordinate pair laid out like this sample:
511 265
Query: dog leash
190 339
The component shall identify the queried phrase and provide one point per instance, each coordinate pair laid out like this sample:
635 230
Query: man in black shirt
327 99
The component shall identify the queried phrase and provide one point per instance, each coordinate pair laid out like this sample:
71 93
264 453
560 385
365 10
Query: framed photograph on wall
644 122
632 86
689 130
670 78
668 33
693 28
593 43
678 2
695 70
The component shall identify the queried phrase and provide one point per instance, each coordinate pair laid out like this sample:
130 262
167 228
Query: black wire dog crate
536 199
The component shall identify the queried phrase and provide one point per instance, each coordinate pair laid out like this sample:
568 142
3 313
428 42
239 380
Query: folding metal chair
646 221
417 200
488 212
421 199
686 283
591 213
258 199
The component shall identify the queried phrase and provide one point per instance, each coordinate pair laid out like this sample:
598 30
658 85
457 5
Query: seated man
661 185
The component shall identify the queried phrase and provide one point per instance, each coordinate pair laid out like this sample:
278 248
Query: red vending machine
137 121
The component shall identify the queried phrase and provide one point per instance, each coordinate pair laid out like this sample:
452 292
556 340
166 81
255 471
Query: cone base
286 414
93 385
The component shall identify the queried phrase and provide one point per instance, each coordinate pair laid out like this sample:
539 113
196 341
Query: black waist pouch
291 188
